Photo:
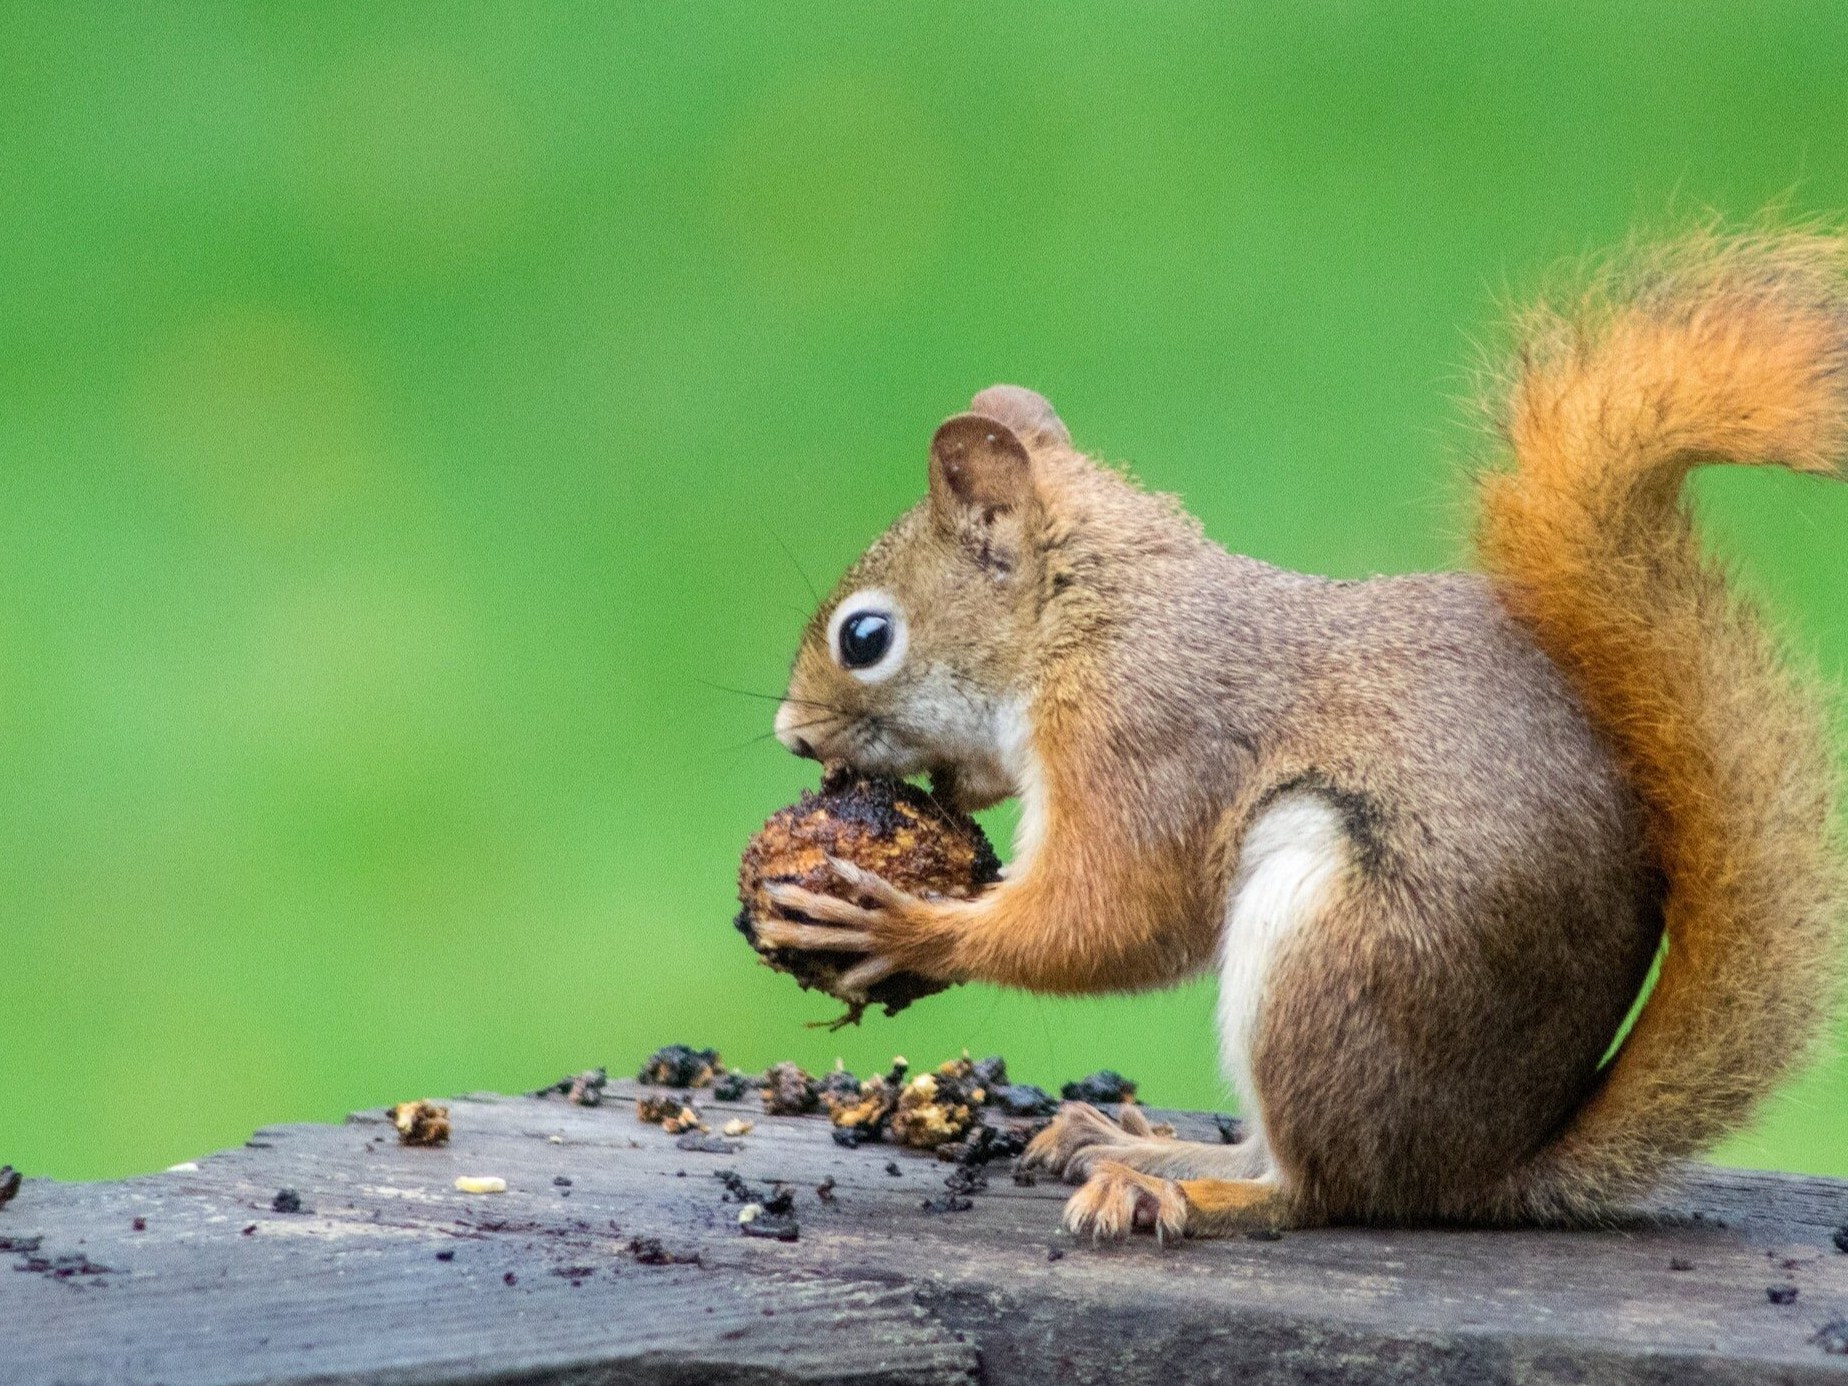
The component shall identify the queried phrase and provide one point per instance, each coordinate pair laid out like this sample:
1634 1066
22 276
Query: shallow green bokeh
404 416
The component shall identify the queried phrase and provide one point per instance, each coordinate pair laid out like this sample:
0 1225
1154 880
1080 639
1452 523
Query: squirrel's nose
786 733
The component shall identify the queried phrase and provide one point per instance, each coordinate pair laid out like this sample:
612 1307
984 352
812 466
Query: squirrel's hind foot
1117 1200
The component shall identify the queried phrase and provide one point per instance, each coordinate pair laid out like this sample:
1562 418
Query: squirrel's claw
827 909
871 884
857 979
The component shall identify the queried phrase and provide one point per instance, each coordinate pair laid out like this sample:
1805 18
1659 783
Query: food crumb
446 1255
561 1181
510 1279
420 1123
1680 1263
250 1231
481 1184
184 1167
738 1126
825 1190
681 1066
139 1224
669 1113
1781 1294
893 1169
789 1091
288 1201
580 1089
1055 1253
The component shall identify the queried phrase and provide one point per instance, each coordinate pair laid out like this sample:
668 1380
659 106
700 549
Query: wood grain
540 1284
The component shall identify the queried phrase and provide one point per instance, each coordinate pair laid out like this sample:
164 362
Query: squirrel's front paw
1080 1136
1117 1200
894 930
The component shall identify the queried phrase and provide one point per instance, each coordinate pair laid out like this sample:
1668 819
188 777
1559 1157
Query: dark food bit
1833 1336
9 1184
22 1245
949 1203
580 1089
650 1252
139 1224
60 1267
772 1215
1680 1263
788 1091
1022 1099
420 1123
700 1143
288 1201
681 1066
896 830
1781 1294
1106 1085
732 1087
776 1227
446 1255
825 1190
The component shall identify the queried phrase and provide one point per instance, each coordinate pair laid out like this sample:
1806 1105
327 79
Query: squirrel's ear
1025 411
981 487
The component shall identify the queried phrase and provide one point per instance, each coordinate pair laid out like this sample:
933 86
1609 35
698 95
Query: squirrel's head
917 660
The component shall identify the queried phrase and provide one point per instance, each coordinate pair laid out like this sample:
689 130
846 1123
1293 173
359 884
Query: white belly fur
1290 857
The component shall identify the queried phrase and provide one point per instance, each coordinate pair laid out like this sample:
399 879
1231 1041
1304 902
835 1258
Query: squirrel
1431 830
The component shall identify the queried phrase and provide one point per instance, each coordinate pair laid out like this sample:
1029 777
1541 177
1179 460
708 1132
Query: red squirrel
1431 830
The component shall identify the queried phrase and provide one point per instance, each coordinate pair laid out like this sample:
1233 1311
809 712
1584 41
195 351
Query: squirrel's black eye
865 637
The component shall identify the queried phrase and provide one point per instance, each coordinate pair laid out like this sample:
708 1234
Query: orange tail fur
1713 351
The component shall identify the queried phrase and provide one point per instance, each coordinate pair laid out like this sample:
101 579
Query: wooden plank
540 1284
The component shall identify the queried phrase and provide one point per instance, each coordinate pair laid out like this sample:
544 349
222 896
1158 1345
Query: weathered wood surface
540 1284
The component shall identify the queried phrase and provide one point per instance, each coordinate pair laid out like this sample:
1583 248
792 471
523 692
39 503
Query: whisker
772 697
794 563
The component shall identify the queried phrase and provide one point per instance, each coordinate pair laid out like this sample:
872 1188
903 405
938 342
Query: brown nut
891 828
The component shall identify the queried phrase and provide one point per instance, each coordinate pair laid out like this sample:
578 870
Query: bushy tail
1731 350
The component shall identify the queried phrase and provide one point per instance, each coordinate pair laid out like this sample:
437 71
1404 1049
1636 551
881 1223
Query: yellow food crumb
481 1184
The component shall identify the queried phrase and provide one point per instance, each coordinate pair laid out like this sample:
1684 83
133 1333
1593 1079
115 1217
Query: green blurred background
404 413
